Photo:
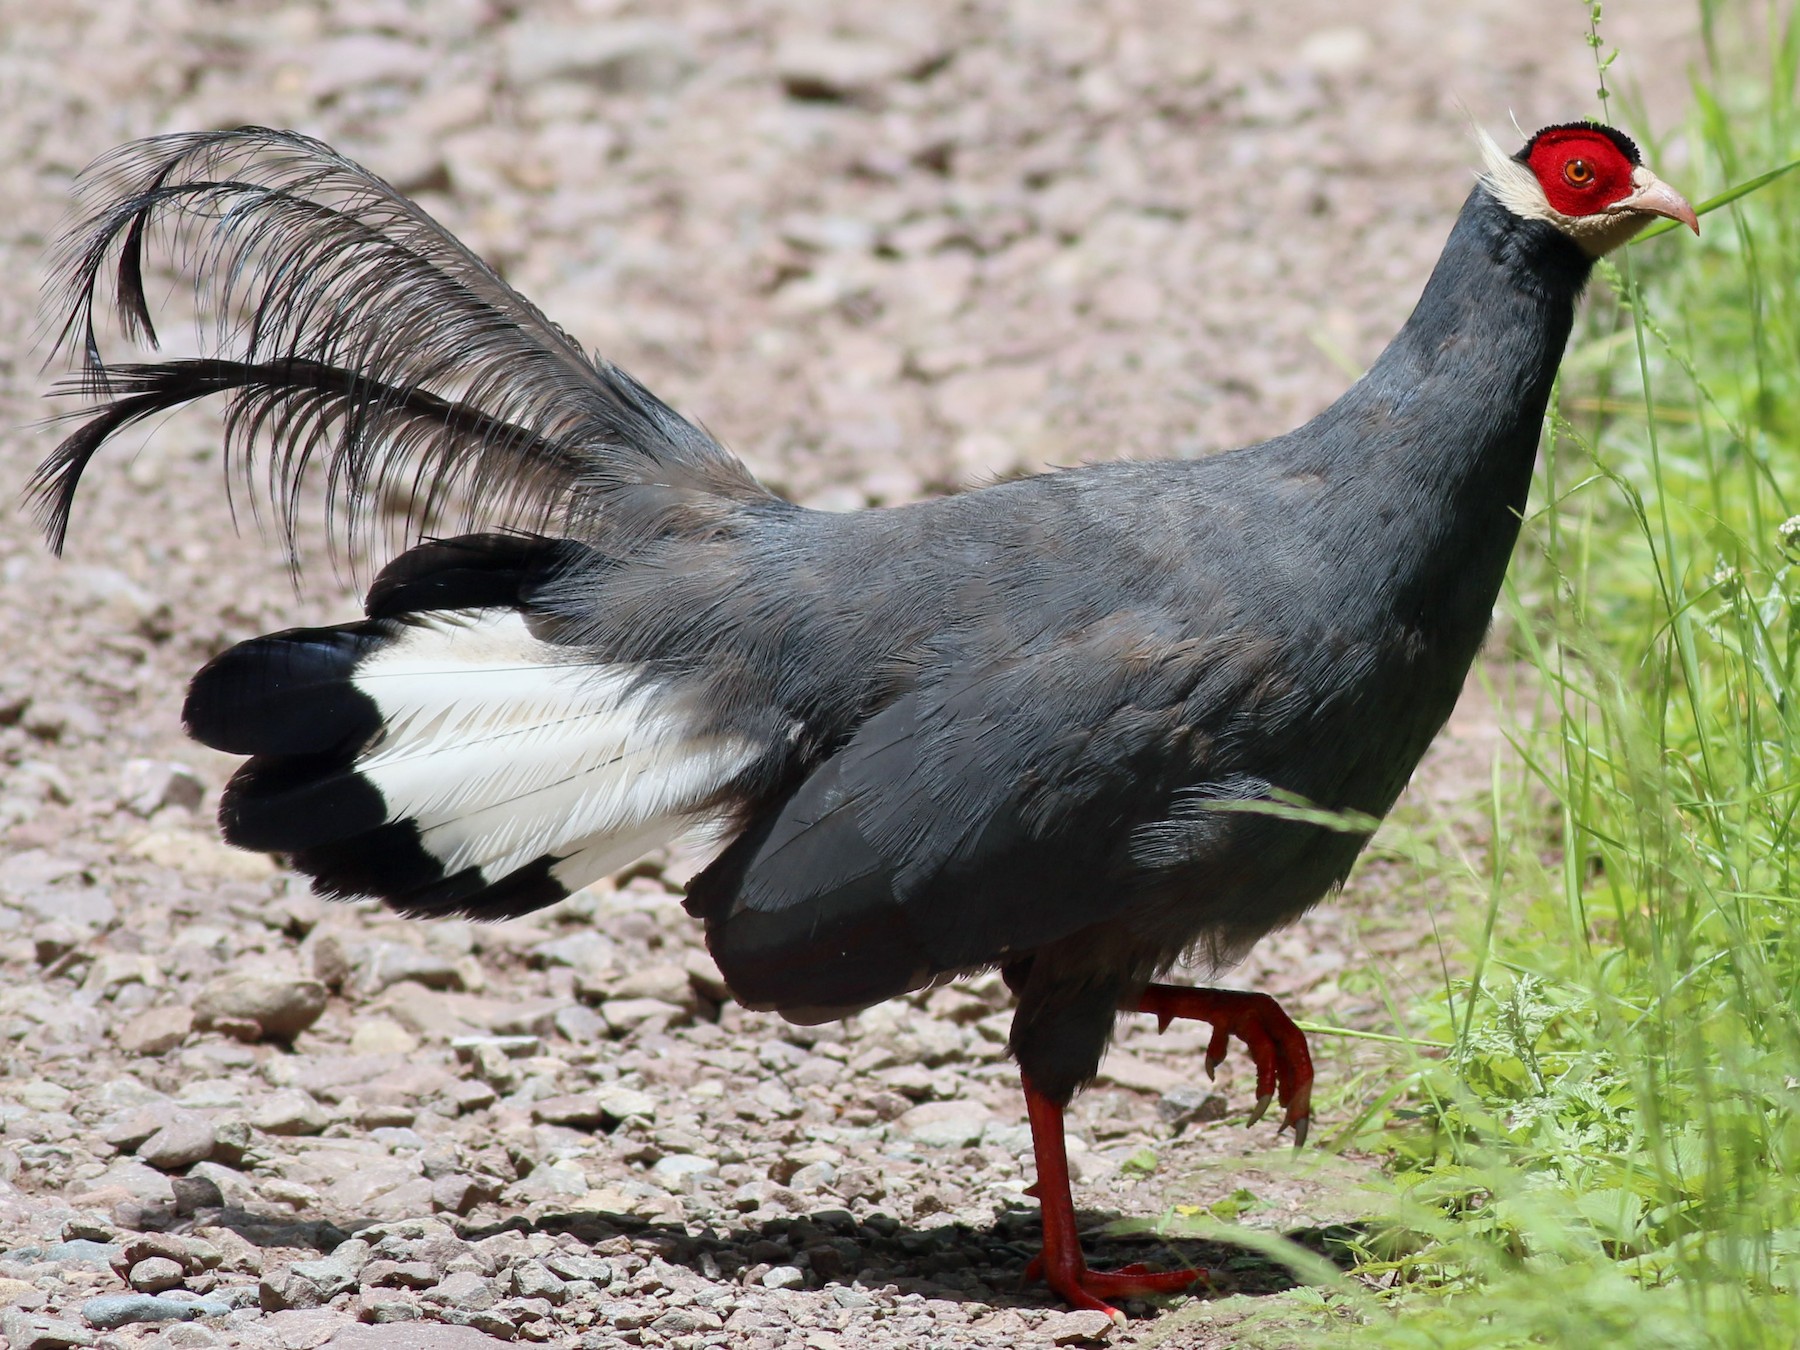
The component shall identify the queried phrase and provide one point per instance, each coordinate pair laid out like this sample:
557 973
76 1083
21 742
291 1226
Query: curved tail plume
349 330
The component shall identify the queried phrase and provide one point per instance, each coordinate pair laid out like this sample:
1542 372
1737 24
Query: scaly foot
1277 1047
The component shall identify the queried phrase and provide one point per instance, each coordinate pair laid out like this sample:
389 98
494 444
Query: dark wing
988 811
347 326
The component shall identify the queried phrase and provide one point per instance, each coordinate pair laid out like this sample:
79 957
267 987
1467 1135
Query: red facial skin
1582 172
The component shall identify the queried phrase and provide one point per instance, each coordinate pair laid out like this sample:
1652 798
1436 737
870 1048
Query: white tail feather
501 749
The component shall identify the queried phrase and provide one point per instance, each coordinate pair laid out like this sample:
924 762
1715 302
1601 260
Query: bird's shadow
952 1261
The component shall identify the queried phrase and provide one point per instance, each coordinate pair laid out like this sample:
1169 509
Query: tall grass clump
1609 1151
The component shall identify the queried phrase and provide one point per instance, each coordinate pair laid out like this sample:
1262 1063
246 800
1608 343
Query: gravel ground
881 257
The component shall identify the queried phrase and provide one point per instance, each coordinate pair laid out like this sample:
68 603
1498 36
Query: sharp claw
1162 1022
1262 1105
1302 1127
1212 1066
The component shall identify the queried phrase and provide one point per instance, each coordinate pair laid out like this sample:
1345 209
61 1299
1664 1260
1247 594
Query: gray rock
190 1255
1183 1106
813 1177
760 1193
537 1017
377 965
109 1311
399 1275
349 60
532 1279
951 1124
90 906
468 1094
460 1192
1012 1138
328 1277
387 1188
690 1321
112 971
146 786
83 1252
784 1277
426 1336
780 1056
279 1290
185 1140
25 1332
155 1031
464 1290
664 981
593 953
678 1166
155 1274
299 1328
290 1111
131 1128
547 1181
385 1311
39 780
620 1104
87 1226
282 1006
579 1023
144 1184
574 1266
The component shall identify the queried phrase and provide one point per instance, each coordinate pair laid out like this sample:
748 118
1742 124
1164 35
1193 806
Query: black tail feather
287 805
287 694
392 863
474 571
291 700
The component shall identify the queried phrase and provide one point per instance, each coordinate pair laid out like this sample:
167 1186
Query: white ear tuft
1513 184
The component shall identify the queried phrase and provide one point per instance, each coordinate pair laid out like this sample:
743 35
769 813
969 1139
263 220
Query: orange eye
1578 173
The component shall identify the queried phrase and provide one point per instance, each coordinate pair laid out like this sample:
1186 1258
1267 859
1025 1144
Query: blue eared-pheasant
1027 727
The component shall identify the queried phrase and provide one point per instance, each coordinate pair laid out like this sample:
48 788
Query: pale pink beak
1654 197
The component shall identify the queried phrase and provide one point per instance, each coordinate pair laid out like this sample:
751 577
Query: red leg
1061 1264
1278 1047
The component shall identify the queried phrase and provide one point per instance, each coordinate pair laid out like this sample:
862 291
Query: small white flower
1788 532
